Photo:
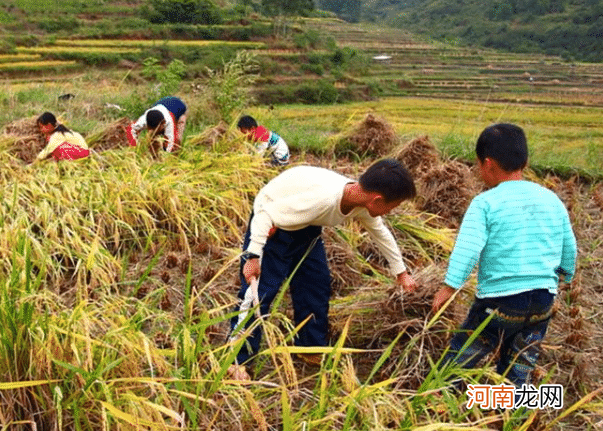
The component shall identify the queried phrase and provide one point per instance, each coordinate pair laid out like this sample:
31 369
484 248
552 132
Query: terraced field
421 68
120 271
395 64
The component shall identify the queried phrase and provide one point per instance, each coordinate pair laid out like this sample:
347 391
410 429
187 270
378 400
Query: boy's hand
407 282
441 297
251 269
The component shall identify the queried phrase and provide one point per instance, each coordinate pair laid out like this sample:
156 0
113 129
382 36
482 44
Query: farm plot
24 62
62 53
455 72
128 43
124 253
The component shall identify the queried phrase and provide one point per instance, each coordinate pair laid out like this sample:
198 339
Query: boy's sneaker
238 372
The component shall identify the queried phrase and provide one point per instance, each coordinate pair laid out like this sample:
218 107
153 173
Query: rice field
558 135
128 43
77 50
7 58
119 277
119 272
48 65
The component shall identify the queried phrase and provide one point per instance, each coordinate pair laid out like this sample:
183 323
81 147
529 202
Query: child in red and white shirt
167 117
267 142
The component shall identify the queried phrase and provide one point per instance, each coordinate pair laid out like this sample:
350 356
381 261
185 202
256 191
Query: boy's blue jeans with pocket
518 326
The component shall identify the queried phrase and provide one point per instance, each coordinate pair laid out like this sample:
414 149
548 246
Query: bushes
229 88
320 92
59 23
315 92
184 11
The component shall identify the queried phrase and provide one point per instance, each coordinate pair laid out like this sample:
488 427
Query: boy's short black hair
390 179
247 122
154 118
504 143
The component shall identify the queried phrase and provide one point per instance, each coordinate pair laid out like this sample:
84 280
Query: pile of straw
447 190
211 136
373 137
27 140
444 188
114 136
418 156
379 314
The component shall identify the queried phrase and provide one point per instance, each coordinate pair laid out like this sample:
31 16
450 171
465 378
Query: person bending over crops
166 117
284 232
519 235
62 143
268 143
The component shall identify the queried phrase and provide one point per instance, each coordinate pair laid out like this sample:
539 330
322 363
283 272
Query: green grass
77 50
116 44
27 66
558 136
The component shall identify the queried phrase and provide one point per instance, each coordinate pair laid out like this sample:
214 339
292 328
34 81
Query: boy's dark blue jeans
518 326
310 287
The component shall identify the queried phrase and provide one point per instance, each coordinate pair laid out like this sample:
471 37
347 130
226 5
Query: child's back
519 235
268 143
519 229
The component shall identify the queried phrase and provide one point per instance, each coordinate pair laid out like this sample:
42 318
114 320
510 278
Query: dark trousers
518 326
310 287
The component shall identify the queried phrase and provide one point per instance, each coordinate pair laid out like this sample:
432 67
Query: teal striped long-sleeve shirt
519 235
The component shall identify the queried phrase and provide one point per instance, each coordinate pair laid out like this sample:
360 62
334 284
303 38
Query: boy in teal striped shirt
519 235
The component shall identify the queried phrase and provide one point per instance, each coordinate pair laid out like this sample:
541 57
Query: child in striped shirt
268 143
519 235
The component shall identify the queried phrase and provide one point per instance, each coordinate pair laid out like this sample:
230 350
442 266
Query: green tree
184 11
350 10
287 7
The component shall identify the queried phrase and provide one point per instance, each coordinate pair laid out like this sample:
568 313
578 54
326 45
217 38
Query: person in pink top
63 144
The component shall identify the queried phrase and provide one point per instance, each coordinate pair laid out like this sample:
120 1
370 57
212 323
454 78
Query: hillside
569 28
119 272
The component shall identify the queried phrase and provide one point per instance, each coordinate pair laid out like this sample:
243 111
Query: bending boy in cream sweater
288 214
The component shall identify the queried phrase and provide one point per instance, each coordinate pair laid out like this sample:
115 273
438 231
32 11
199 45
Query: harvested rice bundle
379 314
372 137
28 140
418 155
114 136
211 136
384 313
447 190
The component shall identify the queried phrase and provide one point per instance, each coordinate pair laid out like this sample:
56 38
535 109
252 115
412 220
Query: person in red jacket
63 144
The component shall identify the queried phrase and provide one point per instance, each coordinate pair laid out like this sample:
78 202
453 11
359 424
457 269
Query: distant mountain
570 28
